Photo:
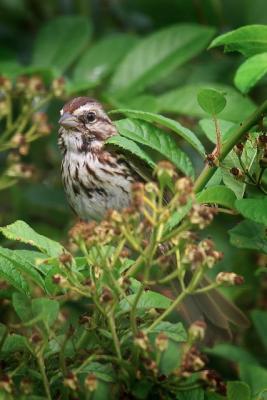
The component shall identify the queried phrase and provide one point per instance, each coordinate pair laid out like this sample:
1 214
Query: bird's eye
90 117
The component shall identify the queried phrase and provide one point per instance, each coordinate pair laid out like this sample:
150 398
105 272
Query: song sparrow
96 180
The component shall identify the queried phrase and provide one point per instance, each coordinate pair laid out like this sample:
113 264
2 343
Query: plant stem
115 338
209 171
44 377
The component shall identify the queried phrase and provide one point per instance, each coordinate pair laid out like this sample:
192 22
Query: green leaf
249 235
147 300
132 147
254 209
193 394
232 353
45 309
13 276
217 195
259 318
22 232
155 138
145 102
250 72
14 343
176 332
254 375
211 101
248 40
22 306
22 265
207 125
177 216
101 59
175 126
238 390
60 41
157 55
184 101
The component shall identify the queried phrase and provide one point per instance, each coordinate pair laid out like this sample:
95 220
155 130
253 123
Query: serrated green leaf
132 147
184 101
248 40
176 332
217 195
157 55
60 41
259 318
22 232
22 306
211 101
175 126
147 300
254 209
238 390
22 265
101 59
45 309
13 276
249 235
250 72
153 137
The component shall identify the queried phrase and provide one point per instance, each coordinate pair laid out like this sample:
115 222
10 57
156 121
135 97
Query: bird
97 179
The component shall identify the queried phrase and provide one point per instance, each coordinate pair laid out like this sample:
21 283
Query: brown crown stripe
77 102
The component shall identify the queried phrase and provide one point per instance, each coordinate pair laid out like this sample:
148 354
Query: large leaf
255 376
13 276
101 59
184 101
22 265
147 300
249 235
254 209
60 41
259 318
156 139
22 232
232 353
248 40
45 309
175 126
250 72
238 390
217 195
132 147
157 55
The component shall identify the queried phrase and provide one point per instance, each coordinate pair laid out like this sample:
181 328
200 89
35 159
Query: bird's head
84 125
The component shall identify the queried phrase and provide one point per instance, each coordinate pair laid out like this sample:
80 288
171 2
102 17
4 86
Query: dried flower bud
90 382
184 185
71 381
141 340
201 215
59 280
197 330
138 193
161 341
193 360
151 365
35 85
6 383
85 319
58 87
83 231
22 83
229 278
26 386
236 172
239 147
5 84
151 187
106 295
65 259
35 338
214 381
124 282
90 285
193 255
165 169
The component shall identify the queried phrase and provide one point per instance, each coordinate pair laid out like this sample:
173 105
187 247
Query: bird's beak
68 121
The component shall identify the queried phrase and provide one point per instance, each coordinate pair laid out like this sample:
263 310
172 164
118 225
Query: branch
209 171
